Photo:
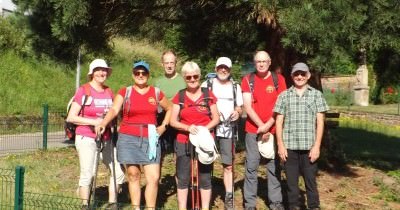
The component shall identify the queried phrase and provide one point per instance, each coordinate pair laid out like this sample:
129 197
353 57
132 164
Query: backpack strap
157 92
275 80
87 88
181 100
206 98
251 82
127 102
234 91
206 95
210 84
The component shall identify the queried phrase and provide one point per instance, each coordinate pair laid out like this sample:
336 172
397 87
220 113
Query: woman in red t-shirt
86 116
194 113
137 143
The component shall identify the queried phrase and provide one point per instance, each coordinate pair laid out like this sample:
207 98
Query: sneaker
250 208
228 205
277 206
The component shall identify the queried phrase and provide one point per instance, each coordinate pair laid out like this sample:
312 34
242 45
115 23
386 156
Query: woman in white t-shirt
90 104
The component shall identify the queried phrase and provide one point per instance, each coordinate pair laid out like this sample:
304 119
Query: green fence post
19 187
45 124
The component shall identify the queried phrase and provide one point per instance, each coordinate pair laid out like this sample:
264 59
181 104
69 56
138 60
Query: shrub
338 97
12 37
390 95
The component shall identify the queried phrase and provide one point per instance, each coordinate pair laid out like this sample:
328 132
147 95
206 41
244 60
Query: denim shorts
134 150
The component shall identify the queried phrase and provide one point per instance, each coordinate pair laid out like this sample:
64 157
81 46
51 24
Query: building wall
7 7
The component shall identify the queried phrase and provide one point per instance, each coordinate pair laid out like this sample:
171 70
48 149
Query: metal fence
14 196
29 133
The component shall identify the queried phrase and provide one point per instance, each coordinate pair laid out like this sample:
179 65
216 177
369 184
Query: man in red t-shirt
260 93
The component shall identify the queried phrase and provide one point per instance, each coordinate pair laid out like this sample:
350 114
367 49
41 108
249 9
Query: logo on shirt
270 89
202 106
152 101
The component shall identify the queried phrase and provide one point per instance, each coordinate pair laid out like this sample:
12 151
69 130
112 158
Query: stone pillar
361 88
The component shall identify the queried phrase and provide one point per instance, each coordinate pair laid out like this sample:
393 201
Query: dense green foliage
329 36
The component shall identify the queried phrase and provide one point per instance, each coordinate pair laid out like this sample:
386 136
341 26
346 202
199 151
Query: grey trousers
251 182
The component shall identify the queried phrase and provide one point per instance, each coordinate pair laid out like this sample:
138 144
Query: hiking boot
276 206
85 207
315 208
295 208
112 206
228 205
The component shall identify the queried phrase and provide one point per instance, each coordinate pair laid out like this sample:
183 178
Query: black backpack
206 99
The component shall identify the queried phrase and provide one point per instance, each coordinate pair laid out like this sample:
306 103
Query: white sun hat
98 63
205 145
267 148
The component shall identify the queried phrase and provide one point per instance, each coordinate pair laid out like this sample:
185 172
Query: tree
328 35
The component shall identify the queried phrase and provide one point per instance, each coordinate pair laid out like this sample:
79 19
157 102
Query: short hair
168 52
189 67
259 52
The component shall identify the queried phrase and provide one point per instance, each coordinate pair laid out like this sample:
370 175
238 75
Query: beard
223 77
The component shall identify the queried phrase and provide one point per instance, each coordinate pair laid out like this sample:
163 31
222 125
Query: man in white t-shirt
229 104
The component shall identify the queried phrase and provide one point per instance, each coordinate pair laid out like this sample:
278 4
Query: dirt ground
353 188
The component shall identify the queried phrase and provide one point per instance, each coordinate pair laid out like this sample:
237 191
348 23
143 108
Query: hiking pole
235 138
194 180
192 175
113 164
92 195
196 168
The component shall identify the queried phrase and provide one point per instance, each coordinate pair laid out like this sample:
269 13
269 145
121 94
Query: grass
27 83
383 109
370 144
364 143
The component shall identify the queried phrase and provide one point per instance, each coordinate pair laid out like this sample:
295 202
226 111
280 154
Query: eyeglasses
190 77
100 69
262 61
297 73
138 73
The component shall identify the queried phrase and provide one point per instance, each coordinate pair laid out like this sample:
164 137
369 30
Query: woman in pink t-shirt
87 113
195 112
137 145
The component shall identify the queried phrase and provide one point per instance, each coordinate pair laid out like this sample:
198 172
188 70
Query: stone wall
386 119
343 83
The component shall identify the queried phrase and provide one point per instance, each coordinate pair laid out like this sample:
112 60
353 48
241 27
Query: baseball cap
266 148
142 63
224 61
205 145
98 63
300 67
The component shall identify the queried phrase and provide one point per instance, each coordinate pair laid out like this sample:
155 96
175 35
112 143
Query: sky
7 4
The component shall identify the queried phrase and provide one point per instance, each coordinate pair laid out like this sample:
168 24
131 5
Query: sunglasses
190 77
297 73
138 73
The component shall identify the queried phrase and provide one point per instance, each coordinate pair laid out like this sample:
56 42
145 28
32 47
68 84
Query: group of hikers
178 110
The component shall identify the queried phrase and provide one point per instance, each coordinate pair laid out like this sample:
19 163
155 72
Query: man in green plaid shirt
300 112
